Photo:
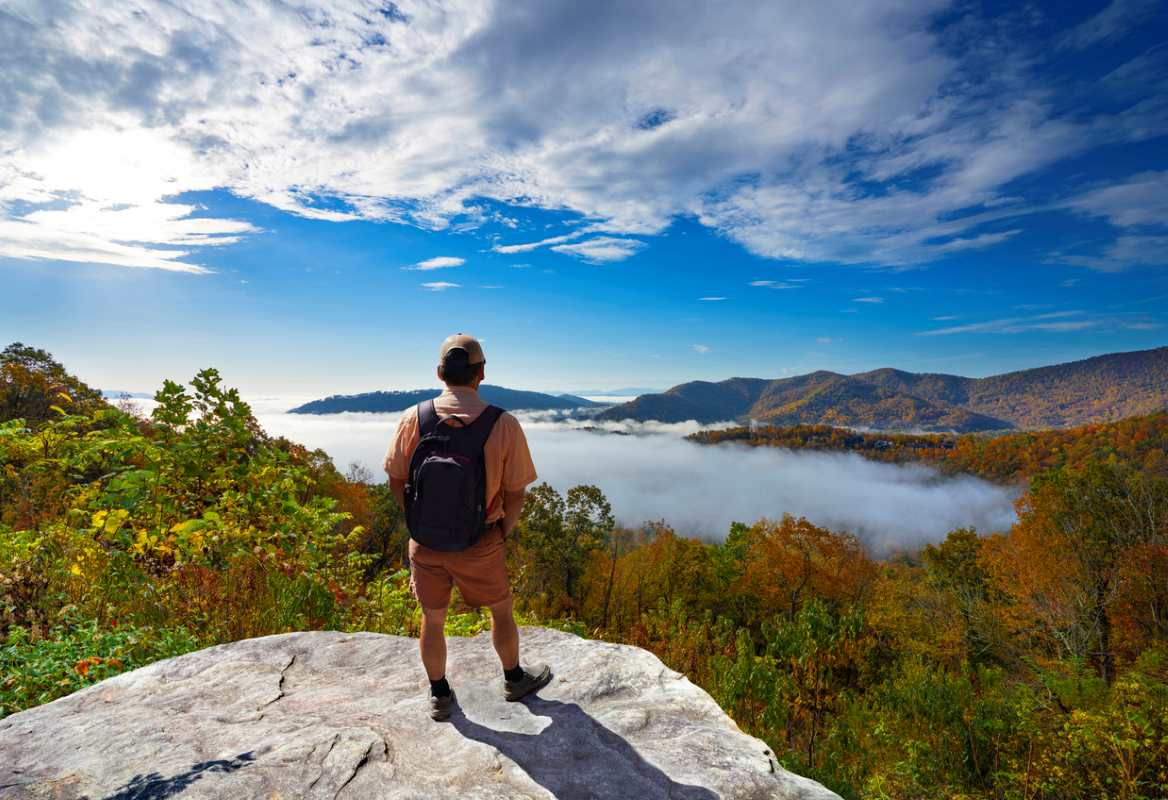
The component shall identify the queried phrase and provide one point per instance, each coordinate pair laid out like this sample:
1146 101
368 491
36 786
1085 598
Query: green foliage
192 520
76 653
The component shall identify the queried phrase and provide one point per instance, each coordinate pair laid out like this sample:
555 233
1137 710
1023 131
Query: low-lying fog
699 490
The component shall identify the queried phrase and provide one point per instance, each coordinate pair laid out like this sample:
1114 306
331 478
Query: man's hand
398 487
512 508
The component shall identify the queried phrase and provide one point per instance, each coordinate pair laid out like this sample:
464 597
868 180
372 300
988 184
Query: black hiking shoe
530 682
440 707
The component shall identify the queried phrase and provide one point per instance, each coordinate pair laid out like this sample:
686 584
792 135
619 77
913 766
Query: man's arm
397 458
512 508
518 471
398 487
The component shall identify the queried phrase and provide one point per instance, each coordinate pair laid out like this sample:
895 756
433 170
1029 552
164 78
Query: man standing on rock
459 468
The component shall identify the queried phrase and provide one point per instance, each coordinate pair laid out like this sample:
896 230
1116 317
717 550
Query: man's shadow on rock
154 786
577 758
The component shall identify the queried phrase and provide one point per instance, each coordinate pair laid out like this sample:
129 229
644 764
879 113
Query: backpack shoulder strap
480 430
427 418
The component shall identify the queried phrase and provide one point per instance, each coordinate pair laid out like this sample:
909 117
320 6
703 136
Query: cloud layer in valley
890 133
654 474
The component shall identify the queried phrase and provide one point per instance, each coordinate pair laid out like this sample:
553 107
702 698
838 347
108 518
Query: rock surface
334 715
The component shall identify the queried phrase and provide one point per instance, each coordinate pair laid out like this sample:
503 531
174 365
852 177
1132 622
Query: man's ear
438 371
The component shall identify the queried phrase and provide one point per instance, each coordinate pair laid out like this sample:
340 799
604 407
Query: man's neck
462 389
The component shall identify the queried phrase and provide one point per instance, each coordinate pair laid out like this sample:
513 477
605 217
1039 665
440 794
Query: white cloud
875 300
777 284
975 242
98 197
1138 207
339 110
440 262
602 249
440 286
1141 200
711 299
1125 252
700 348
527 247
1053 322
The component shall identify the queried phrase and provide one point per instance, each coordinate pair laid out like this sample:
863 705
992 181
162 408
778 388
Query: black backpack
446 502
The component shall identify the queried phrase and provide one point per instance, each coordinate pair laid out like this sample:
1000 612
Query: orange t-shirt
507 459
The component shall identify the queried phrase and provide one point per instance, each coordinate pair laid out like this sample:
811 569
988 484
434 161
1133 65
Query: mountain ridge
1095 389
389 401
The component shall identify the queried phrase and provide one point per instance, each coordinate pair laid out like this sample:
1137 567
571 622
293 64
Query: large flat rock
335 715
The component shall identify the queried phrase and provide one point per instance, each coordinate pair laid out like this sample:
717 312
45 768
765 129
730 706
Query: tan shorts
480 572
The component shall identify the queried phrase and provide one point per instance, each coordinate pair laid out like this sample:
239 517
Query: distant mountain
110 394
1096 389
510 399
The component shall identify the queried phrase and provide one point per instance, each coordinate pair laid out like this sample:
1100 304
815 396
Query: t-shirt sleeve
401 446
518 468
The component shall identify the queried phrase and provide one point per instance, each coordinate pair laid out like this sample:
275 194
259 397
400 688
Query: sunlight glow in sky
311 195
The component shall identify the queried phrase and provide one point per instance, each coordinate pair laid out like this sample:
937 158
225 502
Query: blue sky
310 198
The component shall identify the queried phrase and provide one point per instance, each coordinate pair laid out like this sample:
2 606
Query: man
480 569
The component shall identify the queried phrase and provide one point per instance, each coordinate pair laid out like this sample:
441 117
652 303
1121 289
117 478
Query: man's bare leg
432 642
505 634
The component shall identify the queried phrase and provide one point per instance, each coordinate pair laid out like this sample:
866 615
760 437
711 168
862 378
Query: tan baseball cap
471 345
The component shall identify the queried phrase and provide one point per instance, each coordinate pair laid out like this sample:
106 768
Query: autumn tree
955 567
1063 562
786 563
35 387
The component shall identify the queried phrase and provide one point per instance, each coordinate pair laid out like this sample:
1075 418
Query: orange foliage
787 562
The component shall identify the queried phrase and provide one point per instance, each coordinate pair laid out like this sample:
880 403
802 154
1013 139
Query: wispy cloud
1052 322
975 242
602 249
711 299
440 286
1116 18
527 247
945 317
440 262
867 299
1124 253
1138 207
767 284
700 348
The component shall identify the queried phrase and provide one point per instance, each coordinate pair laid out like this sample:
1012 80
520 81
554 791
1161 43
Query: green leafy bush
78 652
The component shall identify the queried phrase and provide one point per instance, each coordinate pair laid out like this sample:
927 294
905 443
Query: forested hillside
1030 664
1097 389
1139 443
